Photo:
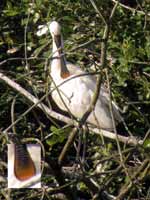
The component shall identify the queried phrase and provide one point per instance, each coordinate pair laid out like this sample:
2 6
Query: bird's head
55 29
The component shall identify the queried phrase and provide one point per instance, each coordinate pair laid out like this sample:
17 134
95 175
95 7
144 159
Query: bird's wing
73 69
105 98
87 87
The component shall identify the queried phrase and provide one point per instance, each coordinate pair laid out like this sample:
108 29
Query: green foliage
57 135
147 144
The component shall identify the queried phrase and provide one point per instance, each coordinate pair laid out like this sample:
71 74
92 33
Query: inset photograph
24 165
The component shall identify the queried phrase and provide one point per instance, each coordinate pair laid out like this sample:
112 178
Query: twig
146 135
98 11
13 113
127 186
6 192
131 9
127 140
140 62
64 185
83 45
67 146
60 96
81 176
115 130
25 42
146 74
21 58
109 179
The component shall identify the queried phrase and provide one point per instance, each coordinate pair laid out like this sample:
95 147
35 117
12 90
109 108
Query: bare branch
132 9
98 11
127 186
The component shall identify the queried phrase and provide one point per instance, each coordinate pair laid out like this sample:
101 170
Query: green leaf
57 135
147 144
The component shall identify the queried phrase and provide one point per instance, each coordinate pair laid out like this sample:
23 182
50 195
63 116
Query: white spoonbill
76 93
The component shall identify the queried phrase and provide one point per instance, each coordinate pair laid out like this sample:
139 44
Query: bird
73 92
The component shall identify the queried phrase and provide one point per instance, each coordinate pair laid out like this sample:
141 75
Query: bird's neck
58 65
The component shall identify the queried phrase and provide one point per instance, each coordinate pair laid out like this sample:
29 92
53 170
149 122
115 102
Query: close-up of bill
24 166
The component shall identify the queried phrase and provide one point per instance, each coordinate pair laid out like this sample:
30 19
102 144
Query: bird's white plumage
55 28
77 92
